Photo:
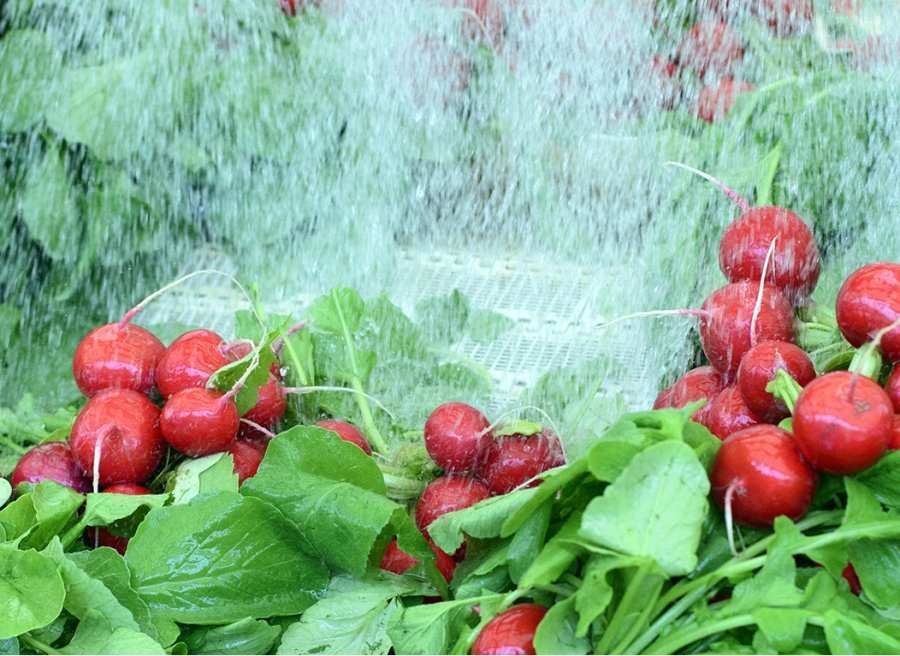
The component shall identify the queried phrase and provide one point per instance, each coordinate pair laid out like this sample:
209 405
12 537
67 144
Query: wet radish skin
347 432
716 100
513 460
868 301
663 399
446 494
510 632
700 383
457 436
111 356
892 387
769 474
270 405
894 440
197 421
247 454
128 424
52 461
842 422
711 47
758 368
189 361
728 413
398 561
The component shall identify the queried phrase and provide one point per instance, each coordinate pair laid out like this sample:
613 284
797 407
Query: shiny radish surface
116 356
52 461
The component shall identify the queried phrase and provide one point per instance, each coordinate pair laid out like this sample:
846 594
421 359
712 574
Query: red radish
101 536
700 383
116 356
398 561
457 436
711 47
794 266
738 317
270 405
760 474
842 422
894 441
197 421
510 632
484 21
247 454
758 368
868 301
52 461
663 399
235 351
849 574
661 74
121 429
347 432
189 361
716 100
784 16
447 494
512 460
728 413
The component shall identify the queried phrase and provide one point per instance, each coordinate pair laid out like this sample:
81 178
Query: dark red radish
122 428
510 632
448 493
710 47
892 387
663 399
728 413
869 301
512 460
842 422
101 536
852 579
760 474
737 317
716 99
785 17
398 561
347 432
197 421
189 361
894 440
51 461
457 436
247 454
758 368
116 355
270 405
794 265
700 383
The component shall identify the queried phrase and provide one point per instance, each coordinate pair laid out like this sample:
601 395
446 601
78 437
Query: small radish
842 422
189 361
758 368
711 48
120 428
270 405
347 432
513 460
247 454
398 561
759 474
700 383
117 355
457 436
892 387
484 21
869 301
52 461
510 632
101 536
447 494
728 413
663 399
784 17
197 421
234 351
744 248
852 579
737 317
716 99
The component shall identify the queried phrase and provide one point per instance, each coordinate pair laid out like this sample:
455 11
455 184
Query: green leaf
104 509
485 326
655 508
31 591
883 478
430 628
608 458
772 586
49 210
5 491
443 319
877 563
595 593
9 646
29 63
782 627
42 513
558 553
556 632
552 481
225 378
206 475
96 635
246 636
222 558
337 312
527 542
849 636
331 490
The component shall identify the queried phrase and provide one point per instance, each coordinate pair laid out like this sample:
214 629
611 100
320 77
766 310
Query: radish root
731 193
759 296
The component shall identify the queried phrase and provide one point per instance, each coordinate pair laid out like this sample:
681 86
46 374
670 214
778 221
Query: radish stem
262 429
731 193
656 313
759 296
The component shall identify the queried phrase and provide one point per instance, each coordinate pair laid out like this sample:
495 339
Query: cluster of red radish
839 422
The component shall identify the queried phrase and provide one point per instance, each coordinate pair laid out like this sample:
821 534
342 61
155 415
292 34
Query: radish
398 561
197 421
446 494
663 399
737 317
842 422
247 454
758 368
270 405
716 100
700 383
484 21
241 348
189 361
711 48
101 535
117 355
513 460
894 440
347 432
868 302
852 579
745 244
784 16
116 438
728 413
759 474
457 436
510 632
51 461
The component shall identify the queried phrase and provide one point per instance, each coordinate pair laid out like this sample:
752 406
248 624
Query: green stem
73 534
13 446
683 637
665 620
34 643
633 609
372 432
785 388
302 377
